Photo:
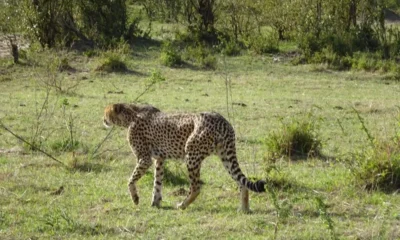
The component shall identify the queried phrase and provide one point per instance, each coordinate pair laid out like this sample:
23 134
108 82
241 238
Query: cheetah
153 134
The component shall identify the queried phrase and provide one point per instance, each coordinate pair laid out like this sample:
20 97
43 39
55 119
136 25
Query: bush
169 56
378 168
113 63
264 44
201 56
230 48
333 60
297 138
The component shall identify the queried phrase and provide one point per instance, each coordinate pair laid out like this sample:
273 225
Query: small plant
282 209
113 63
295 138
202 56
377 166
55 80
323 212
67 142
264 44
155 78
229 47
169 56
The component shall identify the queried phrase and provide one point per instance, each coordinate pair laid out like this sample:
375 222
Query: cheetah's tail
258 186
231 164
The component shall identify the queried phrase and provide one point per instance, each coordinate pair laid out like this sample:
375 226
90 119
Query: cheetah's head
123 115
117 114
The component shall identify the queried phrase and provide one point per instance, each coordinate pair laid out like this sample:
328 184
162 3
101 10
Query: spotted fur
193 137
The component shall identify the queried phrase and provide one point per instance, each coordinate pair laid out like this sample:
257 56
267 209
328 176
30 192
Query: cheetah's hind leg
193 166
244 200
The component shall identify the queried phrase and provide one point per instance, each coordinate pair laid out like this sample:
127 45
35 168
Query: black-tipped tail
258 186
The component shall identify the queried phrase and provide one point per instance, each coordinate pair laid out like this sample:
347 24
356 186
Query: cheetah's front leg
158 176
142 165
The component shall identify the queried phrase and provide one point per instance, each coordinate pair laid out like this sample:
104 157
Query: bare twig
144 91
30 144
363 127
102 142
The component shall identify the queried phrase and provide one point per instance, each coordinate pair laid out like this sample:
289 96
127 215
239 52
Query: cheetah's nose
106 124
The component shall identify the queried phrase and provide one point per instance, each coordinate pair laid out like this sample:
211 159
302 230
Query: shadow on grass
305 157
174 178
104 70
167 208
144 44
67 225
76 166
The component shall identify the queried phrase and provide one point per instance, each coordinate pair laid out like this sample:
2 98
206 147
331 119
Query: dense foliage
328 31
55 23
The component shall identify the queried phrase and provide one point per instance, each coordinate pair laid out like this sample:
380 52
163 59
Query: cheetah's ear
118 108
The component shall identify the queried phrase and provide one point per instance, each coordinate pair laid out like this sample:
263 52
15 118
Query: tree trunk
205 9
352 14
319 17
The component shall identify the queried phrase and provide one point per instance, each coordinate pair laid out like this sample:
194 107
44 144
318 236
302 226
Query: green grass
315 199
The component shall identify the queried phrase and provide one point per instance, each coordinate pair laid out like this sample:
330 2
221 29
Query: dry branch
30 144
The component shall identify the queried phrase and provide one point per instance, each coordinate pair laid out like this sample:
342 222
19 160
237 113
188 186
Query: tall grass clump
112 63
378 168
377 165
296 138
114 60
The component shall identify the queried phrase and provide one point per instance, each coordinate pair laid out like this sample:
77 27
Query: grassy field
317 198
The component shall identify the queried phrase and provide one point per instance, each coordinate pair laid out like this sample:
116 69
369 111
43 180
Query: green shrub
201 56
230 48
112 63
333 60
264 44
209 62
378 168
169 56
296 138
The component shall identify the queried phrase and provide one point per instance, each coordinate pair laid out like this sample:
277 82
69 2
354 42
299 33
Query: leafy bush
264 44
229 47
377 166
296 138
333 60
201 56
169 56
112 63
